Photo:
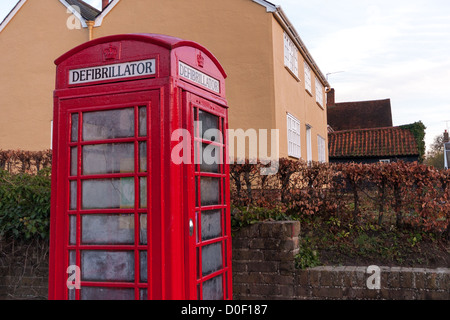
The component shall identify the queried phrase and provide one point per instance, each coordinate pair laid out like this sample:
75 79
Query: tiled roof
87 12
360 115
378 142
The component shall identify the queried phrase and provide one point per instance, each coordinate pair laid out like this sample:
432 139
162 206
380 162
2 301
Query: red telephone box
137 213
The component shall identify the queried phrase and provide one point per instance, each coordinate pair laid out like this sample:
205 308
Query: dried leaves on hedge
410 194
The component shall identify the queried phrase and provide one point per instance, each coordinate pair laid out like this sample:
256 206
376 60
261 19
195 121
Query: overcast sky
394 49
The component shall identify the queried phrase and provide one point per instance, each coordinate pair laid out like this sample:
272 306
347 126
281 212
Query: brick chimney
446 138
104 4
330 98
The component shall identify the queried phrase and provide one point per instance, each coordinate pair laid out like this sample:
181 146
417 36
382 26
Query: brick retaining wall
264 269
23 284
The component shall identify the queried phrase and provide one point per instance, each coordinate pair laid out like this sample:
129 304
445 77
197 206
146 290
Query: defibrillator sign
113 71
187 72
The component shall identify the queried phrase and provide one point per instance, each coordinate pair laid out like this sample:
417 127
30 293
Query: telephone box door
105 162
210 240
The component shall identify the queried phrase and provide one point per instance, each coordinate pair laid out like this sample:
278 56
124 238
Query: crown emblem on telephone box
200 60
110 53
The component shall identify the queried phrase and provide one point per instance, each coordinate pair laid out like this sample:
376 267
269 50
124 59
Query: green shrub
25 205
308 256
245 216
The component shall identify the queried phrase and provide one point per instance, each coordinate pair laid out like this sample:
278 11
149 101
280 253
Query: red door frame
192 104
60 222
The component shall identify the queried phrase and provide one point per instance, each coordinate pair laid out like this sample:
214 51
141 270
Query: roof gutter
104 13
270 7
281 17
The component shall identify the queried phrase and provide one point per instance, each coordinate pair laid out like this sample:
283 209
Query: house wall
237 32
246 39
29 44
292 97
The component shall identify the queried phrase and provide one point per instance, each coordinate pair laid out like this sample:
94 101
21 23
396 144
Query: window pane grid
307 77
290 55
76 213
319 93
210 208
321 147
293 125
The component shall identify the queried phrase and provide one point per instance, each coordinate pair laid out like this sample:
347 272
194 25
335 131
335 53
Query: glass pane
143 294
210 158
199 265
211 258
72 257
143 156
108 158
107 229
196 191
224 194
108 193
99 293
72 262
197 231
74 130
73 230
196 123
73 161
143 266
109 124
143 229
211 224
142 121
73 195
107 266
209 126
196 155
210 191
143 192
71 294
213 289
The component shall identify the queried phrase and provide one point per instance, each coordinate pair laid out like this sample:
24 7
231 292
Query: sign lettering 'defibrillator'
113 71
198 77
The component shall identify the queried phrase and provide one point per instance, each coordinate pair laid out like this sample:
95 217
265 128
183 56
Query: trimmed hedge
25 205
410 195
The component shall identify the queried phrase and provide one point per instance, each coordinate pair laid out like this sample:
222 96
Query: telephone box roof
164 41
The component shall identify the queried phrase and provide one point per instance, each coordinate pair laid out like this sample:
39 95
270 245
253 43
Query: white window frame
385 161
308 78
293 136
290 55
321 146
319 93
308 144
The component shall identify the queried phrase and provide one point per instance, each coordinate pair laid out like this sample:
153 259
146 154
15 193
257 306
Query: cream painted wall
237 32
292 97
246 39
29 44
